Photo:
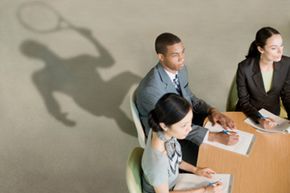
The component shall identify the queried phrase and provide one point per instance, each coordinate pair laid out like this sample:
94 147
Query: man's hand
228 138
217 117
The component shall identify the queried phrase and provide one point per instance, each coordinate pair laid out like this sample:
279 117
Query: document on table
243 146
283 125
187 181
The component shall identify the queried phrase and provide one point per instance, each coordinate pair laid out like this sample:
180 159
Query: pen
213 183
262 116
226 132
272 121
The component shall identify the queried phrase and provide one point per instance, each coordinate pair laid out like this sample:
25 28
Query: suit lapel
257 77
182 80
276 77
168 85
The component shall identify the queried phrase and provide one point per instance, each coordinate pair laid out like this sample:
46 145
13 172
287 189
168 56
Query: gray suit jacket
157 83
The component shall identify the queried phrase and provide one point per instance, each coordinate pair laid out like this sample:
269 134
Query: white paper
187 181
243 146
283 125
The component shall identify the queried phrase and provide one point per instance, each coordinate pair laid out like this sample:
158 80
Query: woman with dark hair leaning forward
170 120
263 78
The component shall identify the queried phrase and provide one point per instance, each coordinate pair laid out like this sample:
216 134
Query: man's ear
163 126
160 57
261 50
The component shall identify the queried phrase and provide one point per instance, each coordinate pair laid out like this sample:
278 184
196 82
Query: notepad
187 181
282 127
243 146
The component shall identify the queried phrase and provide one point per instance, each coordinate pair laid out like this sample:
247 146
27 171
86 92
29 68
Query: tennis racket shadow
77 77
41 17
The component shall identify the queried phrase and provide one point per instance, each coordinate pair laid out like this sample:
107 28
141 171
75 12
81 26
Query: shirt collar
171 75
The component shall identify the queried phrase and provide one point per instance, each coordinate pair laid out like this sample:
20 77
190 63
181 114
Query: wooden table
265 170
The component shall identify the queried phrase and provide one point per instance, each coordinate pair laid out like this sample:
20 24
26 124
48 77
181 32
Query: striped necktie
176 84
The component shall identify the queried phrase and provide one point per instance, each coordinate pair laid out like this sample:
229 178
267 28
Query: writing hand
226 138
214 187
267 123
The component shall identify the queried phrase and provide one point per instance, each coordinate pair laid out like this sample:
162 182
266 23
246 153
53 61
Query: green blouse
267 79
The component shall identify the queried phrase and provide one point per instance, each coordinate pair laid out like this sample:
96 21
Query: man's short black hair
164 40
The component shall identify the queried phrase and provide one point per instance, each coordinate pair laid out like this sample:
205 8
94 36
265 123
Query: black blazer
251 90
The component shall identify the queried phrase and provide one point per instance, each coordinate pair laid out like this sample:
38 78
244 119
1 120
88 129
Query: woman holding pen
170 120
263 78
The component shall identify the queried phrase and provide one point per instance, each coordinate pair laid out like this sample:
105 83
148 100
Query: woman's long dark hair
169 109
261 37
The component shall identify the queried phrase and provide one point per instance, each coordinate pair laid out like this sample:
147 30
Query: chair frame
136 119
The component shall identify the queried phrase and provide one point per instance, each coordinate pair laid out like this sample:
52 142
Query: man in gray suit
170 76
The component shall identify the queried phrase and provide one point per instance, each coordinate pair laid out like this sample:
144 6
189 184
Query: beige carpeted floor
64 91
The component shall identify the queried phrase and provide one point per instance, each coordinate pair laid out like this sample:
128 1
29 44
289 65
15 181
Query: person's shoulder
150 84
147 78
247 61
183 70
151 74
284 63
154 156
285 59
157 145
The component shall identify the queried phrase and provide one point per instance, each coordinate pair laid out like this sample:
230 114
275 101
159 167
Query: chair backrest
233 96
133 171
233 100
136 119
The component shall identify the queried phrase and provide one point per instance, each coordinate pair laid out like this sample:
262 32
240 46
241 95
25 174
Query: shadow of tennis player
78 77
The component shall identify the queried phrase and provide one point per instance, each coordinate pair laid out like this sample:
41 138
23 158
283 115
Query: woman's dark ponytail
153 122
253 50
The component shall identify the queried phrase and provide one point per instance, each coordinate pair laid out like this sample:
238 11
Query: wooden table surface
265 170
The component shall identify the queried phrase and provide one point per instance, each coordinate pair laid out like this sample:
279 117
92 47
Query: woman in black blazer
263 77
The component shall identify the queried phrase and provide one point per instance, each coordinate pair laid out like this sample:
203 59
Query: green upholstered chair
233 100
133 171
232 97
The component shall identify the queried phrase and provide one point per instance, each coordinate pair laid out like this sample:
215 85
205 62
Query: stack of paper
283 125
243 146
188 181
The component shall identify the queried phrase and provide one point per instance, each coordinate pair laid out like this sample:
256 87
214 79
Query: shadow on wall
78 78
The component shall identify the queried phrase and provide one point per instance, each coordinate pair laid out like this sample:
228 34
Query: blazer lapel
257 77
168 85
276 77
182 80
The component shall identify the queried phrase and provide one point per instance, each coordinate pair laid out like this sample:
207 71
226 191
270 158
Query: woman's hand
214 188
206 172
267 123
